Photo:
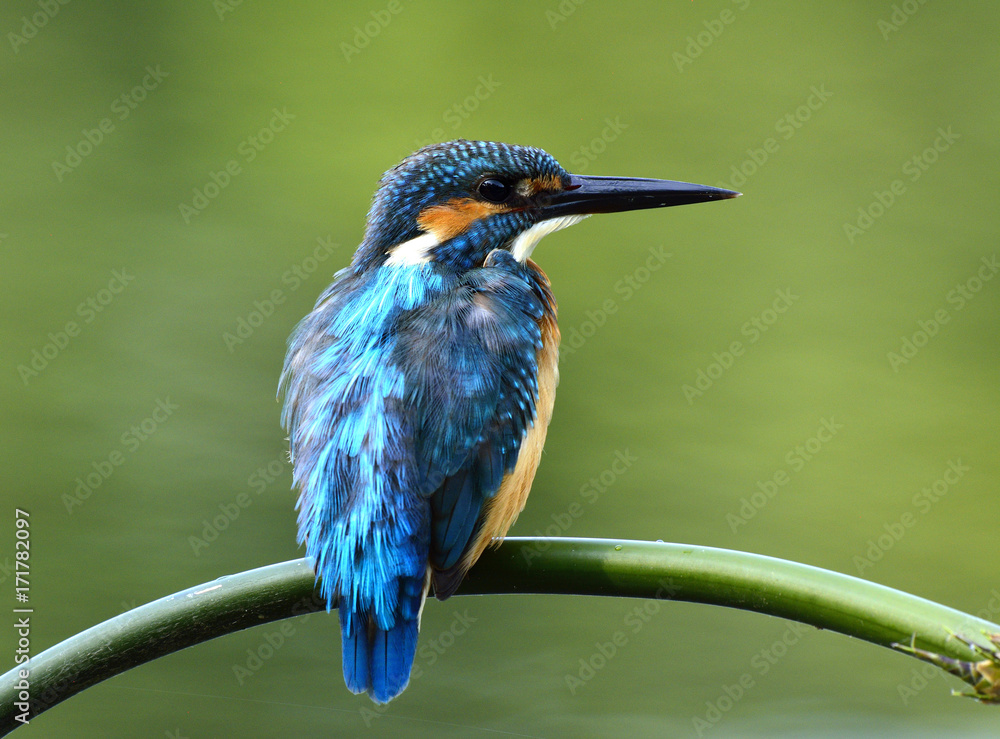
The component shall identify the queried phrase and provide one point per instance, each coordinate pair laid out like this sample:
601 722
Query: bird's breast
502 509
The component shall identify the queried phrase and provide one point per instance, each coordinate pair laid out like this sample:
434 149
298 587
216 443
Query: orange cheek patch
448 220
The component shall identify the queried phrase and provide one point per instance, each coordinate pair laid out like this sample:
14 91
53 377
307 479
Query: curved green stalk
822 598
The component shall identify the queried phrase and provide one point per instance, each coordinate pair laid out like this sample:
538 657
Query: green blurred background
115 115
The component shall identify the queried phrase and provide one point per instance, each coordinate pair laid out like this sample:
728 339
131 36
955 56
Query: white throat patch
525 243
415 251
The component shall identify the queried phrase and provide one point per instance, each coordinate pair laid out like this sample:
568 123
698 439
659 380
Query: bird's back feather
410 391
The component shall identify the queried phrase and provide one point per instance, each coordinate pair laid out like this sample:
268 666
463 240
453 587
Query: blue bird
419 389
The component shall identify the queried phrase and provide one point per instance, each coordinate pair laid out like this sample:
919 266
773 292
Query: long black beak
585 195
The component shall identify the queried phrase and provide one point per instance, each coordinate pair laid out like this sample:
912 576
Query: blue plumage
418 391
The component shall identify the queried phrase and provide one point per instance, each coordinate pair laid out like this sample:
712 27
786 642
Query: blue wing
361 516
408 395
470 360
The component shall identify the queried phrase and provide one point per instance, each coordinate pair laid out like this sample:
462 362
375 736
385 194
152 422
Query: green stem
824 599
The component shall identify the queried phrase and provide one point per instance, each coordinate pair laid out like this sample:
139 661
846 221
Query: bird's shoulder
471 363
470 352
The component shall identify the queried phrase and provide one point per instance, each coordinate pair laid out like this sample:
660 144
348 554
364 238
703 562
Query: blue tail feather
392 659
378 661
354 638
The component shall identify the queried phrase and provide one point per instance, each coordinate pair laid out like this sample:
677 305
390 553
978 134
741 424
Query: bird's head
454 203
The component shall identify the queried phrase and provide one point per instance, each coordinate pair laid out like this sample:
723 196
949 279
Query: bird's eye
494 190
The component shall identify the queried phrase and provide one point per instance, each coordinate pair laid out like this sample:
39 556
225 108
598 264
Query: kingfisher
418 391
